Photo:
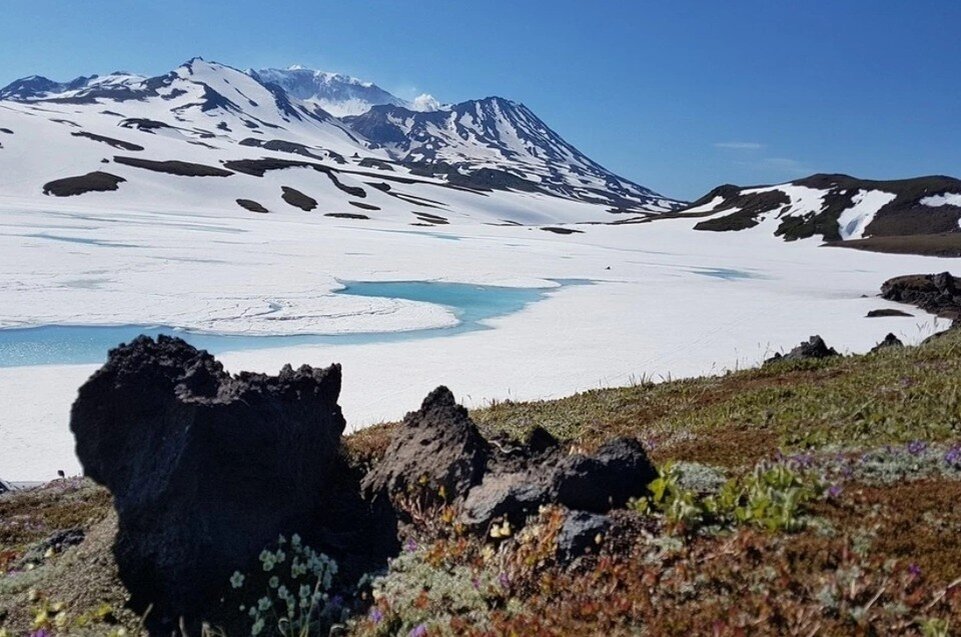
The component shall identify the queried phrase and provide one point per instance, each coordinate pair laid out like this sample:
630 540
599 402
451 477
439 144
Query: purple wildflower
953 456
376 615
914 570
503 580
419 630
410 545
40 633
917 447
834 491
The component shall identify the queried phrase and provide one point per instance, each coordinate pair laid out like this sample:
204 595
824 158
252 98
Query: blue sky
679 96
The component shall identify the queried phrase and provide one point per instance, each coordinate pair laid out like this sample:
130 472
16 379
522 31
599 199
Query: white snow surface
947 199
660 310
853 221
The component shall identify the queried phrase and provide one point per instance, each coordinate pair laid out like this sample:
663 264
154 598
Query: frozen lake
84 344
495 314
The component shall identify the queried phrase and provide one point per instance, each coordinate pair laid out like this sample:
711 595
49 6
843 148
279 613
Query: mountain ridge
487 144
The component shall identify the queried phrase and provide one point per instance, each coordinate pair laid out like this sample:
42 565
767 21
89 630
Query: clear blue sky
679 96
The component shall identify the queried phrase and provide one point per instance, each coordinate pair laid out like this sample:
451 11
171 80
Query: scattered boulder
813 348
935 293
889 341
207 469
885 313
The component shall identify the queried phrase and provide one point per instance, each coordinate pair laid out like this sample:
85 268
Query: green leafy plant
772 496
290 596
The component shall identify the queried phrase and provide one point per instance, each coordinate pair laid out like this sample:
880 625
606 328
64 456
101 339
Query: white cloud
425 102
739 145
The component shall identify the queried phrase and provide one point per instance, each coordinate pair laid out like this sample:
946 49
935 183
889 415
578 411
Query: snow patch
853 221
947 199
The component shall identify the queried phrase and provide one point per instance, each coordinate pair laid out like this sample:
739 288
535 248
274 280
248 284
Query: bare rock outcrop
206 469
935 293
813 348
440 448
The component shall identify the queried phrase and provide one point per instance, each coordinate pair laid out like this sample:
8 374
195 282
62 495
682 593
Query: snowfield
674 303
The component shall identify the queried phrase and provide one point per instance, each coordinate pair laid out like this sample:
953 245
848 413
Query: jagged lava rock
620 470
889 341
438 446
813 348
207 468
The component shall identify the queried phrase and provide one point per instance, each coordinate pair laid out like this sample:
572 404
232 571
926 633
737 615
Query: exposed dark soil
259 167
298 199
116 143
562 230
886 312
174 167
91 182
346 215
6 130
934 245
143 124
363 206
251 205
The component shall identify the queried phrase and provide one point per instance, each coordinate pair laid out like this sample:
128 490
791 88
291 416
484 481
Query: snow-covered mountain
339 95
211 136
837 208
498 143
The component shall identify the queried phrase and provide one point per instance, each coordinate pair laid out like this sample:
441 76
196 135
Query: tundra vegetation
804 497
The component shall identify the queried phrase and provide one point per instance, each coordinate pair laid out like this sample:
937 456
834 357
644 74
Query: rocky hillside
909 215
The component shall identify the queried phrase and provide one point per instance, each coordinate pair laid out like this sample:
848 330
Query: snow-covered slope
499 143
339 95
208 136
836 208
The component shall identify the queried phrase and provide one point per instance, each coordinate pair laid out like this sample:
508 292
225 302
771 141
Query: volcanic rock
206 469
813 348
580 532
935 293
889 341
437 447
494 480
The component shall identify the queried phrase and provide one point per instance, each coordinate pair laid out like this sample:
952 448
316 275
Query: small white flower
237 579
263 604
274 582
257 627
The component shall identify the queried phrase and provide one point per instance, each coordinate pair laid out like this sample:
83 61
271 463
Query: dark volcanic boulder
581 531
936 293
500 479
813 348
437 447
889 341
620 470
206 469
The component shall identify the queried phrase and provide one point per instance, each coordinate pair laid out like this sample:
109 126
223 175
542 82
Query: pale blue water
76 344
